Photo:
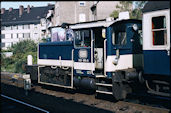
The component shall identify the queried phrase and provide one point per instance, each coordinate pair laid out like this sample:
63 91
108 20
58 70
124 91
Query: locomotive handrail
92 51
92 40
92 54
121 48
72 69
105 57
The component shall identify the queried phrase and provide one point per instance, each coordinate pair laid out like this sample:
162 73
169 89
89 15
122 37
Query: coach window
159 31
119 38
83 38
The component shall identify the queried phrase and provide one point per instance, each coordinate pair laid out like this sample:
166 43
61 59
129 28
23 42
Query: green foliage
137 12
114 14
24 47
123 6
43 40
7 64
20 51
139 4
127 6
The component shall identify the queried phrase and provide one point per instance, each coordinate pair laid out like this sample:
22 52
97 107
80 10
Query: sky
15 4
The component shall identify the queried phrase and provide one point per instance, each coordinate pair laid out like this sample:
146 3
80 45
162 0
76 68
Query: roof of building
156 5
9 18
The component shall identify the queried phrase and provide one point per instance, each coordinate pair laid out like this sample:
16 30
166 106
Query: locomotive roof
156 5
99 23
103 23
127 21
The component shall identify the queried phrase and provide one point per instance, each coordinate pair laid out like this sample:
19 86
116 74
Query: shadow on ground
47 102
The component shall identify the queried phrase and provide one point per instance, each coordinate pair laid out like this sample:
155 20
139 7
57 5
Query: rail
40 109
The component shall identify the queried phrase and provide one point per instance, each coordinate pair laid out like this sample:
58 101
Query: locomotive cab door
99 38
120 51
83 52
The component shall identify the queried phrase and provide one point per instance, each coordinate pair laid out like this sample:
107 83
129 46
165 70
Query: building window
7 35
20 27
14 27
36 35
2 28
14 35
20 35
35 26
26 35
26 27
2 36
2 44
8 28
82 3
159 31
82 17
11 35
8 44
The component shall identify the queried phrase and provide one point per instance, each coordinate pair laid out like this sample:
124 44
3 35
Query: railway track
14 106
105 103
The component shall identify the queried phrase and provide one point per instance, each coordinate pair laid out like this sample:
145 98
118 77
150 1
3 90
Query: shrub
20 51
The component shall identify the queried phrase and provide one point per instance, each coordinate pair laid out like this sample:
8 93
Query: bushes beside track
16 63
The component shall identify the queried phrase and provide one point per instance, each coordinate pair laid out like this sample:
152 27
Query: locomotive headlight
115 62
135 27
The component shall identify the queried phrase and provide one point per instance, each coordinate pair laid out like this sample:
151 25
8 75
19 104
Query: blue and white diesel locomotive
109 56
102 55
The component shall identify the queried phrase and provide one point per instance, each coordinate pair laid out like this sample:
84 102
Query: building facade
82 11
23 23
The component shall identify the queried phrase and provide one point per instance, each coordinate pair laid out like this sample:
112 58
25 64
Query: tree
135 13
20 51
114 14
123 6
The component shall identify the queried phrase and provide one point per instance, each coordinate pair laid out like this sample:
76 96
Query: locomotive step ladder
99 76
101 90
104 92
105 88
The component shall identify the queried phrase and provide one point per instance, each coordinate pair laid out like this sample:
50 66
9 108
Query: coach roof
156 5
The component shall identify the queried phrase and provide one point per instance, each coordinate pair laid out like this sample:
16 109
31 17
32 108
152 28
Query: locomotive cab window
159 31
83 38
119 38
62 34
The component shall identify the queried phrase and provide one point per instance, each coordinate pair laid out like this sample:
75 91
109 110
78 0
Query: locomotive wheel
119 91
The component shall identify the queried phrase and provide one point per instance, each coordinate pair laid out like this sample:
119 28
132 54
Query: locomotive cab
123 59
